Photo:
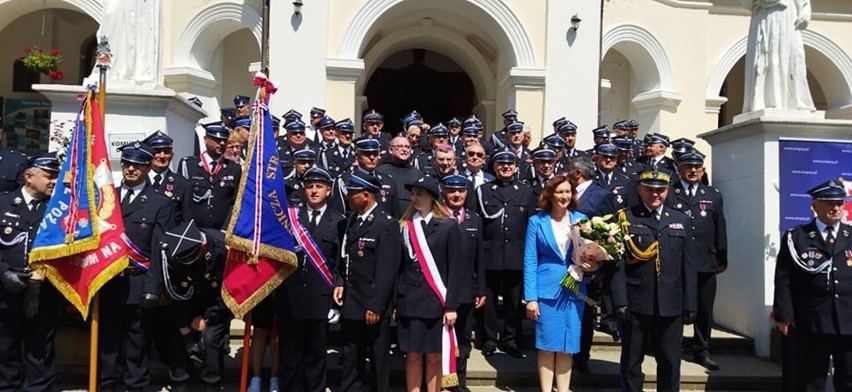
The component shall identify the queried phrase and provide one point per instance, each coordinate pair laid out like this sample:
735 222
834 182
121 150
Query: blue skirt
559 323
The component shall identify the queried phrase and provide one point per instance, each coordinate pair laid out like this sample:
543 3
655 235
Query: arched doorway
422 80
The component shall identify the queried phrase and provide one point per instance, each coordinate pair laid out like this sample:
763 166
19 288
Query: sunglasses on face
476 154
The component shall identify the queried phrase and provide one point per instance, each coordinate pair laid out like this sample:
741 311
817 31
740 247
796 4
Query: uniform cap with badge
559 122
555 142
325 122
693 157
136 152
216 131
652 138
601 131
514 127
158 140
504 157
544 154
439 130
830 190
367 144
241 100
472 121
454 122
470 130
46 161
305 154
241 122
607 150
682 145
345 125
454 181
296 126
623 124
624 143
292 115
654 179
510 115
567 128
317 174
317 112
372 116
363 183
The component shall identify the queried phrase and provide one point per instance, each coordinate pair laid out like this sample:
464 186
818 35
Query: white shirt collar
27 198
163 174
686 186
368 212
417 218
321 211
582 187
209 160
821 227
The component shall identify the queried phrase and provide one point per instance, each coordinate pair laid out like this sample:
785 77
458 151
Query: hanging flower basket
40 61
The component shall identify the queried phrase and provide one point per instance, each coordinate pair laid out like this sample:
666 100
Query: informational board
27 125
804 164
117 140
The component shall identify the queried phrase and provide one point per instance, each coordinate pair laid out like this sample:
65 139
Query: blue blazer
544 264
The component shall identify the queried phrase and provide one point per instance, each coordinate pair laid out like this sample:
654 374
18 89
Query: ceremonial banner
804 164
79 245
261 252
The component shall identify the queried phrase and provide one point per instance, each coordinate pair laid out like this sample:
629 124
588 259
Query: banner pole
104 58
244 364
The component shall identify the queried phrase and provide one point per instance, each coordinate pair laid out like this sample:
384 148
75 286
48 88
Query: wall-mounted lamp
297 7
575 22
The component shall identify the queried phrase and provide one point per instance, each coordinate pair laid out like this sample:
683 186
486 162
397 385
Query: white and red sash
307 244
137 258
415 241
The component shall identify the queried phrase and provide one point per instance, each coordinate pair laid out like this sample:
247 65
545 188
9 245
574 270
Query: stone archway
484 37
201 63
649 79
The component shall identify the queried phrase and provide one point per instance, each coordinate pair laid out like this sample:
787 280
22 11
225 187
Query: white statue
133 30
775 72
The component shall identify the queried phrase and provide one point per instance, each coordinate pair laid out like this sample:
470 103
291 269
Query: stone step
738 372
723 341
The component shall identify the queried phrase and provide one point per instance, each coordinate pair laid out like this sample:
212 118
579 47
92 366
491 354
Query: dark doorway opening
421 80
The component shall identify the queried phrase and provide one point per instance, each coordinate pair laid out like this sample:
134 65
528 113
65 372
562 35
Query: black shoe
610 329
488 349
581 366
707 362
513 351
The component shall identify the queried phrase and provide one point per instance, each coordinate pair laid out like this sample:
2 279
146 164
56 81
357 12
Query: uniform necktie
690 192
312 224
360 221
125 201
34 205
423 224
829 239
456 213
157 179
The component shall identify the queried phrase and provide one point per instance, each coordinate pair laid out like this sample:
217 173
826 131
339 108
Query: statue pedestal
132 112
777 114
746 171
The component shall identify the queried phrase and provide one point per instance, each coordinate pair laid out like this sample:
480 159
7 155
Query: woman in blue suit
557 311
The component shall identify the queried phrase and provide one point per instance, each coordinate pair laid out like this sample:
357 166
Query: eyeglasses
476 154
401 147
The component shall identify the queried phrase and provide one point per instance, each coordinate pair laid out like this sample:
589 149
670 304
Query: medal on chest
361 247
703 207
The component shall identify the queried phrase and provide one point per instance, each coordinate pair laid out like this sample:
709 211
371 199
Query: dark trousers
362 341
302 353
812 361
215 340
464 332
37 335
123 347
665 336
509 284
704 315
161 327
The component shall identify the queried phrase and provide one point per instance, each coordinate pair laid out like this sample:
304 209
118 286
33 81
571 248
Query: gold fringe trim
266 251
70 294
240 309
47 253
449 380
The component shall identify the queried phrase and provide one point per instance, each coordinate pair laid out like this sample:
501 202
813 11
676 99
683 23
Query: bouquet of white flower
594 241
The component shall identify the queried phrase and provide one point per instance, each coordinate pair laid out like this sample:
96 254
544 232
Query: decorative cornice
656 100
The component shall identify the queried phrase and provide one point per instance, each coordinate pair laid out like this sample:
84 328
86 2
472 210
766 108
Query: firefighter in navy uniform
367 159
214 180
124 346
364 288
10 167
454 191
166 181
28 304
372 123
304 300
568 131
340 158
654 285
195 258
608 177
704 205
812 273
302 160
544 161
505 204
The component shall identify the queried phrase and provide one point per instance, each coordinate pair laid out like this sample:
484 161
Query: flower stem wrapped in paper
595 241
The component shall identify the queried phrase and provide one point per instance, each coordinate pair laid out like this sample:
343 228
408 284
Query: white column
297 55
